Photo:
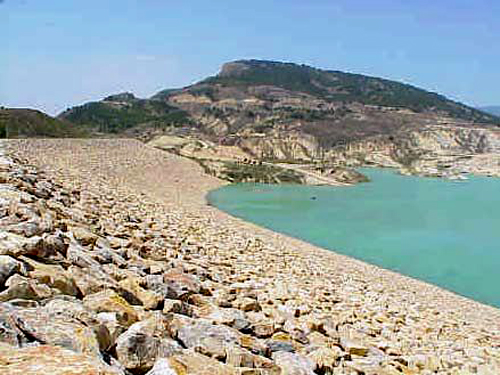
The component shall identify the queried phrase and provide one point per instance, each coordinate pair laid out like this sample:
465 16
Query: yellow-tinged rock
197 364
49 360
110 301
149 299
52 275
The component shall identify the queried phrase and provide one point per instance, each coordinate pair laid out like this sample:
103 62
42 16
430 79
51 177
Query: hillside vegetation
344 87
123 111
23 123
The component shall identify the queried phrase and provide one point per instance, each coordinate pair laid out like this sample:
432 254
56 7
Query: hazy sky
60 53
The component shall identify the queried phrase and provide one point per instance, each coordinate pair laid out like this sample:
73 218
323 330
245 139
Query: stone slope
111 263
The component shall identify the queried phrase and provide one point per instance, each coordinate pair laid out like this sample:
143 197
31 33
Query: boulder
239 357
89 281
110 301
177 307
36 246
354 346
139 346
181 285
231 317
50 360
193 363
247 304
53 276
150 300
280 342
325 359
84 236
19 287
73 309
293 364
162 367
9 332
26 228
8 266
207 338
113 326
54 329
78 256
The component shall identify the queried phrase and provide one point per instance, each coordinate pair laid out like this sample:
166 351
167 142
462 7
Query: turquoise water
444 232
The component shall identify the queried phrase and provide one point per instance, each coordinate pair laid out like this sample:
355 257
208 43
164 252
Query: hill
280 111
24 123
494 110
120 112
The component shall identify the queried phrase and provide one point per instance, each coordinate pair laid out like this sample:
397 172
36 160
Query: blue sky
60 53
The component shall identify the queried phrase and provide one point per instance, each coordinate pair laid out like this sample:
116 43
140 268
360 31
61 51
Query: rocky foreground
112 263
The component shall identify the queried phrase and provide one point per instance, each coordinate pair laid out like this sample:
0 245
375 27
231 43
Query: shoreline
395 315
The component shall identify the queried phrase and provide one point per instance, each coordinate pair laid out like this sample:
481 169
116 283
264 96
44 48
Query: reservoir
440 231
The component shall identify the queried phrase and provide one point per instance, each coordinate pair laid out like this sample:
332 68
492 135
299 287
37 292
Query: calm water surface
443 232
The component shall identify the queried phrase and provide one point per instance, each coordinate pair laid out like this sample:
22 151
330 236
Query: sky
56 54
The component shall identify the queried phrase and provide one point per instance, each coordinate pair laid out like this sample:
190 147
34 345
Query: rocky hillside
22 123
302 109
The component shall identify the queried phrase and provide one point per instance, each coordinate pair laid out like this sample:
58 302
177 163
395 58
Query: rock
90 281
139 346
162 367
19 302
353 346
247 304
263 328
280 342
20 287
293 364
73 309
239 357
78 256
177 307
54 329
231 317
212 339
84 236
15 245
149 299
8 266
43 189
325 359
110 321
110 301
52 275
50 360
55 243
9 332
197 364
181 285
296 331
106 255
26 228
